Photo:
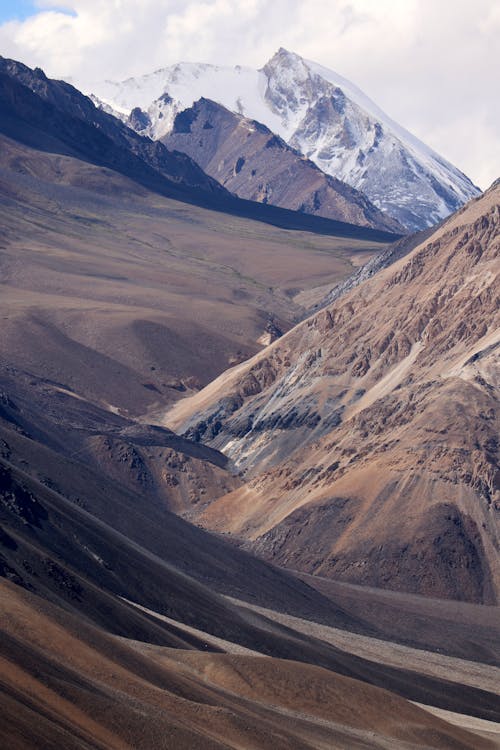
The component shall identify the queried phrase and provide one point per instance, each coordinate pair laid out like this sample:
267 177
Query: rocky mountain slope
369 433
113 607
319 113
247 159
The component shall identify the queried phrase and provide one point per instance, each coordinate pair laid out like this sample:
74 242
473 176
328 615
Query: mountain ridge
249 160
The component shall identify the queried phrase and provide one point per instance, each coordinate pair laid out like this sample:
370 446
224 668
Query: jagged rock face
369 433
249 160
319 113
139 120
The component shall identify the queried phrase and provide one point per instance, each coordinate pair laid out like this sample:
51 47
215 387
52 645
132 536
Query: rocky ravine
369 433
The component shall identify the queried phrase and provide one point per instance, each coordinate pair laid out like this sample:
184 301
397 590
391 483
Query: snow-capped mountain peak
319 113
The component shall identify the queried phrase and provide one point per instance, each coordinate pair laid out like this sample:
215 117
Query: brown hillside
369 433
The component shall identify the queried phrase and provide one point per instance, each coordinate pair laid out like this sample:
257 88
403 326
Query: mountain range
319 113
54 115
248 455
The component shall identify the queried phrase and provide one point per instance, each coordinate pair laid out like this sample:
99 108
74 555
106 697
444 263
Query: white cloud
431 65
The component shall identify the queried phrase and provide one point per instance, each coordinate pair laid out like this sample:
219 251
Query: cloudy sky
431 64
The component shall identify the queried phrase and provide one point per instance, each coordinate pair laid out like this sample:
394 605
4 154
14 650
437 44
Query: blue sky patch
18 10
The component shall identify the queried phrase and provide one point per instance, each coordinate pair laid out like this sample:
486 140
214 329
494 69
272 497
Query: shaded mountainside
67 683
369 433
52 115
83 526
121 575
317 112
247 159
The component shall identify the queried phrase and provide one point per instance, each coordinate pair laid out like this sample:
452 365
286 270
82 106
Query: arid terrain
369 433
101 270
154 589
